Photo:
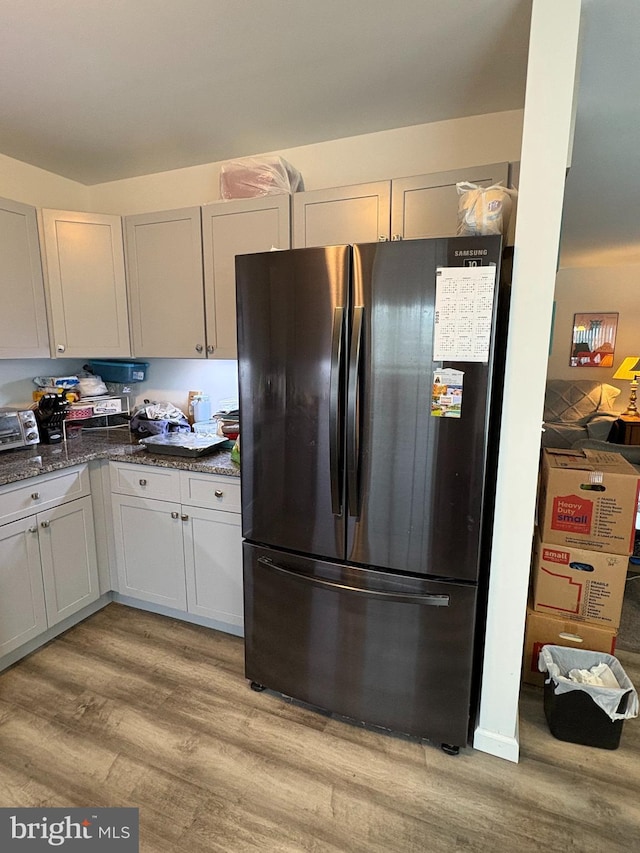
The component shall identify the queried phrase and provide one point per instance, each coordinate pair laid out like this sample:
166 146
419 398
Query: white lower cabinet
68 553
48 565
22 609
184 553
149 554
213 564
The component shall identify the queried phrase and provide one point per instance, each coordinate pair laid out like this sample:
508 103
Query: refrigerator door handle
432 600
353 425
334 410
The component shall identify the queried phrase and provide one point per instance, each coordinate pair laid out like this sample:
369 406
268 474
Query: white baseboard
496 744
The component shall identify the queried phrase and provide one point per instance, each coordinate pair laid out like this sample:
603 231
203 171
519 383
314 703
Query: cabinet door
69 563
149 554
213 561
427 205
87 289
166 290
23 319
355 214
22 609
231 228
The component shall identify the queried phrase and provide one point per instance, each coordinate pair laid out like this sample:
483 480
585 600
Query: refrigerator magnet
446 396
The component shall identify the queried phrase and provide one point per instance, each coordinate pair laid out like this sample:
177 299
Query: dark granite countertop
117 445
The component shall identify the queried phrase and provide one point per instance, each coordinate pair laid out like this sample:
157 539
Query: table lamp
630 369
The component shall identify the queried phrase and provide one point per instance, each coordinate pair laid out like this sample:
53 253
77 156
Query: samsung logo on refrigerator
469 253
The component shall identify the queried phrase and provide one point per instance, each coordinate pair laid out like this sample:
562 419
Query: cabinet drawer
210 491
38 493
145 481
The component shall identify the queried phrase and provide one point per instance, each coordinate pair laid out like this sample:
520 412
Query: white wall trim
546 137
498 745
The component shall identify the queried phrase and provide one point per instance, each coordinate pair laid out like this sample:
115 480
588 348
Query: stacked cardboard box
586 526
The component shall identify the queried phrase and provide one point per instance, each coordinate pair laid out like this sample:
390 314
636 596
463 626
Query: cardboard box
588 499
584 585
543 629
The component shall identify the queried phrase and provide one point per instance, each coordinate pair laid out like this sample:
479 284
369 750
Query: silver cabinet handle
60 348
218 493
382 238
35 495
184 517
33 530
142 482
175 514
45 523
210 348
199 347
396 238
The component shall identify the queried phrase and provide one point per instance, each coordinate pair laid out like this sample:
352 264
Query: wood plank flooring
133 709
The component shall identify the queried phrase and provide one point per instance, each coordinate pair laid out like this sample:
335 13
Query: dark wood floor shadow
133 709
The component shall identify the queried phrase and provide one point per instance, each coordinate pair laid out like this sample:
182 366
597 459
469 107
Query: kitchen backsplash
167 379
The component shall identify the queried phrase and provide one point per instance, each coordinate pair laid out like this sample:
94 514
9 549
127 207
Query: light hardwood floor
133 709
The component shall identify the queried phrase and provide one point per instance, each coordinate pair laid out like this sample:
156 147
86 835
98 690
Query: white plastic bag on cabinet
483 210
259 176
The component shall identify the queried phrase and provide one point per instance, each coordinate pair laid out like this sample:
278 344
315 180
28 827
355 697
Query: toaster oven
18 428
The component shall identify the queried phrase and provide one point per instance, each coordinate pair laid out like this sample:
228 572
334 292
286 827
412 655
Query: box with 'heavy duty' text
574 583
588 499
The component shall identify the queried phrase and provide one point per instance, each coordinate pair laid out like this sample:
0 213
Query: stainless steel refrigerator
369 397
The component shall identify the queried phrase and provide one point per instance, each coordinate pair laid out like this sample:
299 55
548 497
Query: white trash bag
581 669
483 210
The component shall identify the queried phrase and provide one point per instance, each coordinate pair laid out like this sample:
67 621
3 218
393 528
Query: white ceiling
98 90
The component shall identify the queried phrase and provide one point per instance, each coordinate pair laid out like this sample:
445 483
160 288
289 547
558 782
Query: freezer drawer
383 649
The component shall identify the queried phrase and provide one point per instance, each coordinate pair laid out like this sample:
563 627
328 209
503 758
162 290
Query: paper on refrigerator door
446 394
463 312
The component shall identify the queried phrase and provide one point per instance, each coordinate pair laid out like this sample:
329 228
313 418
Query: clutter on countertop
50 413
115 445
199 407
259 176
182 444
158 419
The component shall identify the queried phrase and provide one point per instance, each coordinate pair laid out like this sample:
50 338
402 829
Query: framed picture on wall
594 340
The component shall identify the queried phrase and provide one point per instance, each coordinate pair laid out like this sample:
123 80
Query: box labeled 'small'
583 585
588 499
543 629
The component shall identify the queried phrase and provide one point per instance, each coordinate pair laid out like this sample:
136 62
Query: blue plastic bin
120 371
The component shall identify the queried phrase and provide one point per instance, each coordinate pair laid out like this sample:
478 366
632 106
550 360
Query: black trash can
583 713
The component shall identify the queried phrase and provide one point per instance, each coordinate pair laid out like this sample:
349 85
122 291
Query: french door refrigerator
368 408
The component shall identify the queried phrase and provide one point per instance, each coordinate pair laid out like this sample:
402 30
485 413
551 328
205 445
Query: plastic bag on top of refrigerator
483 210
259 176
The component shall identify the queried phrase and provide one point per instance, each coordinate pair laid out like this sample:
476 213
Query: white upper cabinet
86 284
427 205
230 228
401 209
166 292
23 319
353 214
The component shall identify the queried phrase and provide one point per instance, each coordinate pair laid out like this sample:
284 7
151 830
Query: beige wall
21 182
395 153
596 289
